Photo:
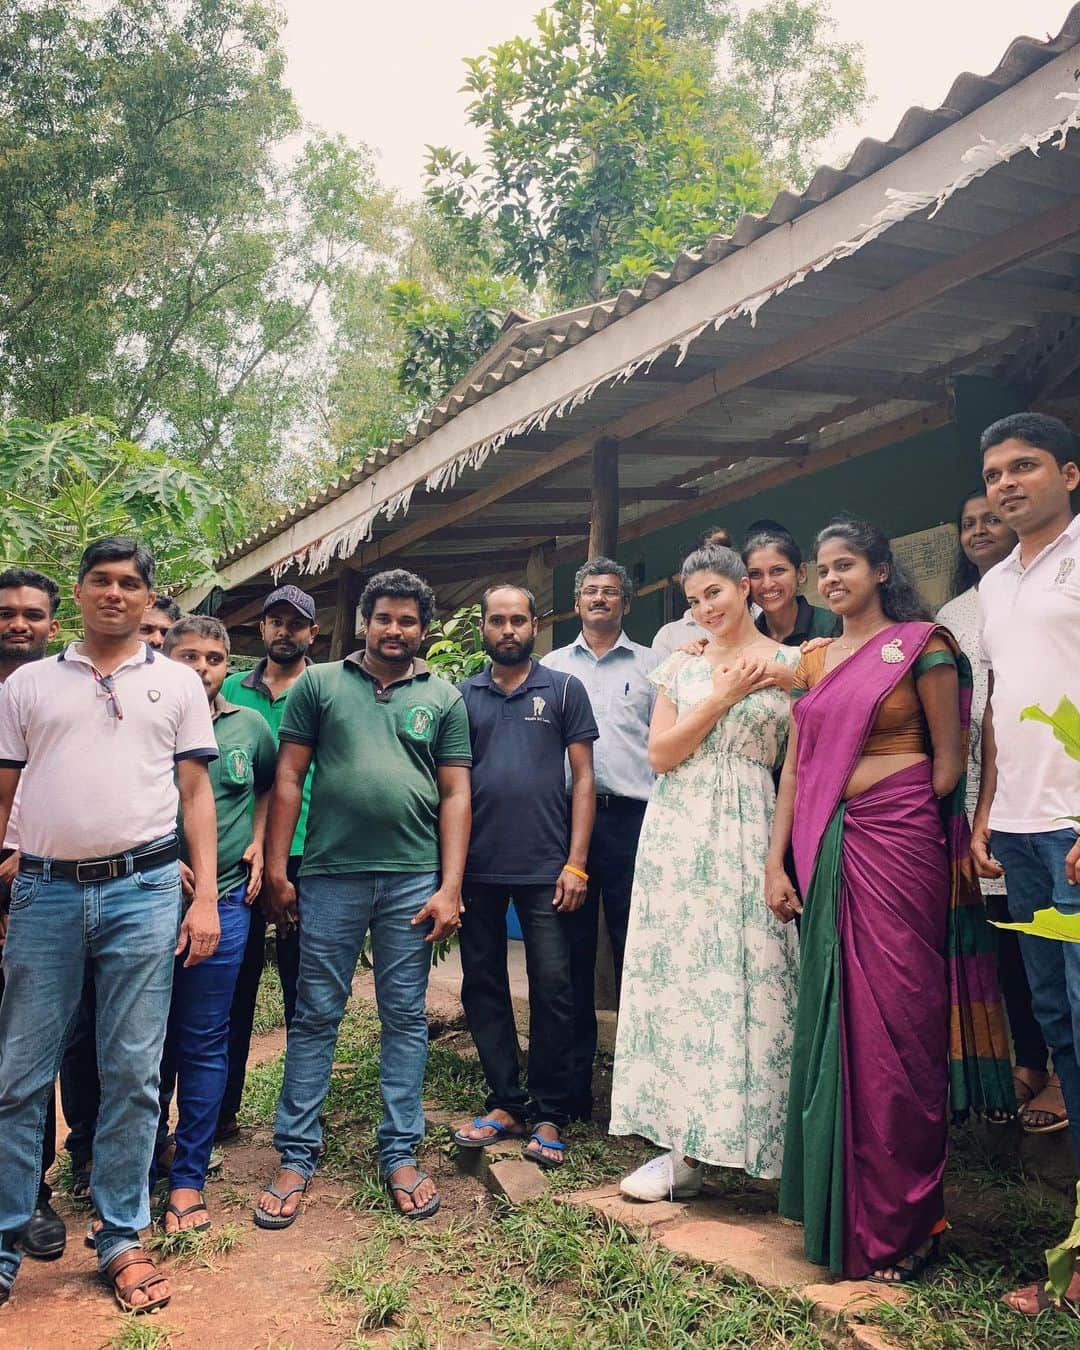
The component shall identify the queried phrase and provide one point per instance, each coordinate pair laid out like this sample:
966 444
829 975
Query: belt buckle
104 869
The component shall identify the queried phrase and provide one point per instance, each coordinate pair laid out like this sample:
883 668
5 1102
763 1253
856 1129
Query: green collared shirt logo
420 723
238 764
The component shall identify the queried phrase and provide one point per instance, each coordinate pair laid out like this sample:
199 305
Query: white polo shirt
1031 641
93 784
11 834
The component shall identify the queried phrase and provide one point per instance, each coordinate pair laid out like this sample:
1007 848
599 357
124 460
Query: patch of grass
356 1277
269 1003
197 1249
262 1087
138 1333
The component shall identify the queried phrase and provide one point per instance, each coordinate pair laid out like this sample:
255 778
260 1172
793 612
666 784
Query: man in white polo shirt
1030 786
92 739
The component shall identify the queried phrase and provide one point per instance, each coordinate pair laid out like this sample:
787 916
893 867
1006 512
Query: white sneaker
668 1177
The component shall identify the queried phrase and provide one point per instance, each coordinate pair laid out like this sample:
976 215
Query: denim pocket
23 890
163 878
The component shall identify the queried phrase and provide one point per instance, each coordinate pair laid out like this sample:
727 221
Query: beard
284 651
512 654
22 653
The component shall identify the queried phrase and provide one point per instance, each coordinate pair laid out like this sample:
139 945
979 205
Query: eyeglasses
107 688
608 592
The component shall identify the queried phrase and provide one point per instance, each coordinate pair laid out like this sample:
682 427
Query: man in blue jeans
1030 786
385 850
92 738
196 1054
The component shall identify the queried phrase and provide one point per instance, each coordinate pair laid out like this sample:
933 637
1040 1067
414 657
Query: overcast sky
389 73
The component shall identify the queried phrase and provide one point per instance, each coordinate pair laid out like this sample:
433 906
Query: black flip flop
423 1211
276 1221
179 1214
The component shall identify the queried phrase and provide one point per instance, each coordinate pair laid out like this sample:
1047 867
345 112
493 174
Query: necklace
847 645
731 656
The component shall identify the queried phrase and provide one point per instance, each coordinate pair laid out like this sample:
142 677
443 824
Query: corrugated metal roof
532 343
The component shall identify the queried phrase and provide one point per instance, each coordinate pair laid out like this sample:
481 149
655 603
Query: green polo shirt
375 794
251 691
244 768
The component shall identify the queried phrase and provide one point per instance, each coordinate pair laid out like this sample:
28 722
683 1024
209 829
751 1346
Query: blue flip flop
501 1132
534 1155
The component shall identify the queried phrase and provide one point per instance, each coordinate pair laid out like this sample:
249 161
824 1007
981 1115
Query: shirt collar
221 707
256 677
1013 563
538 677
804 617
420 670
621 643
144 657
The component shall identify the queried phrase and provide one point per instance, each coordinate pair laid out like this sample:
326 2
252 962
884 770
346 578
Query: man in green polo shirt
387 838
288 629
195 1056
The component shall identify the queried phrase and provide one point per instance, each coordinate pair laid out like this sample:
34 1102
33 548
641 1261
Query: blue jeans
335 915
196 1055
1035 878
128 928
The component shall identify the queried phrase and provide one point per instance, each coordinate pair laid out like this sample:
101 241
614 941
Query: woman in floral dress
710 977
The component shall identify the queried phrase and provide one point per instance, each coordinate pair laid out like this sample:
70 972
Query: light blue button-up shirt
622 698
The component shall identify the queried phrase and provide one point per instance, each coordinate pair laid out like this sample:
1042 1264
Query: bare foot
406 1176
184 1198
1033 1298
285 1180
546 1131
485 1132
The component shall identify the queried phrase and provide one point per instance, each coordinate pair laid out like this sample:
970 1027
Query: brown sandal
134 1256
1038 1120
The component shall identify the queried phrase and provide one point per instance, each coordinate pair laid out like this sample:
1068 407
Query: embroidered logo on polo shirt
238 765
153 695
420 723
539 707
1065 570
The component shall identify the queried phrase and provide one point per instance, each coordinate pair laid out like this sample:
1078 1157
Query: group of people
774 806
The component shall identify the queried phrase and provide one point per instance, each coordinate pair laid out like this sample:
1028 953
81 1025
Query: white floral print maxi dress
710 977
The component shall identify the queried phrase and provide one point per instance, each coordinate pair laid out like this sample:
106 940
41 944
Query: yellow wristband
576 871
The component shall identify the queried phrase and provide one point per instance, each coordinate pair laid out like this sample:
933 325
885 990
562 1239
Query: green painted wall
909 486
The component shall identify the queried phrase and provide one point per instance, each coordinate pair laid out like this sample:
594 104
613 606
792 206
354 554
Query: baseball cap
291 595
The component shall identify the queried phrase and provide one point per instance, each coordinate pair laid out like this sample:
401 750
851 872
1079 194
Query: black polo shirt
810 622
521 813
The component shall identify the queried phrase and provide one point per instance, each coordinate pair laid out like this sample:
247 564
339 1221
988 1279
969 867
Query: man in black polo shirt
529 843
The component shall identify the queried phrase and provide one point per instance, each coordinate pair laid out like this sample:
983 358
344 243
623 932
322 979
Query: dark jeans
48 1143
242 1013
485 996
195 1057
1035 867
611 879
1029 1045
80 1086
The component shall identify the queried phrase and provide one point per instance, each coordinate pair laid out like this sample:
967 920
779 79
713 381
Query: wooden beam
604 514
865 443
1059 366
343 635
627 495
1005 249
518 532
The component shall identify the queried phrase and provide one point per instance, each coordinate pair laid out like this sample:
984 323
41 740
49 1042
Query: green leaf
1065 721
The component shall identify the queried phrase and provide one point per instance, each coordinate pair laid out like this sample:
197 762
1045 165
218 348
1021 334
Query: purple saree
867 1126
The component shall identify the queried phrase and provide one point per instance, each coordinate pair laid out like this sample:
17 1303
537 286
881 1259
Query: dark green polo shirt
244 768
251 691
375 794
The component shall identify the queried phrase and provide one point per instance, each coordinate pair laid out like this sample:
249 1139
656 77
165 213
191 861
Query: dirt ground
267 1292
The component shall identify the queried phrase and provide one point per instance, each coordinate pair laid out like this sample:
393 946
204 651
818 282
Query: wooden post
604 519
343 638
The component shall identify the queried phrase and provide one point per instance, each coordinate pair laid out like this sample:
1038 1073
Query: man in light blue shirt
615 671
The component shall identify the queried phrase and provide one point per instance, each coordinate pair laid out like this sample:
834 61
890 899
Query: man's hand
445 908
8 868
253 857
570 892
199 932
187 881
985 865
1072 864
279 900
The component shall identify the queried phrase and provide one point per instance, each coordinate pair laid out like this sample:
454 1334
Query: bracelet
576 871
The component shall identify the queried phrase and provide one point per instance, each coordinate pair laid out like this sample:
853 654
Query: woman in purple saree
898 1002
